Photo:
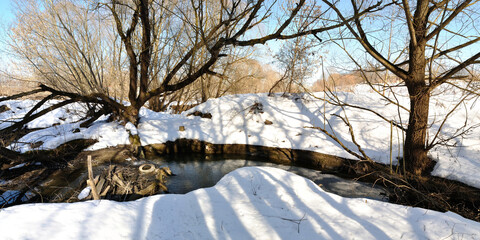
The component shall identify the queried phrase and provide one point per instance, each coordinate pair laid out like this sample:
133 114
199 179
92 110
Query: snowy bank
249 203
236 121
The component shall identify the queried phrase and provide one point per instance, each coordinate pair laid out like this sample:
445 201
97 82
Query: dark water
194 172
191 174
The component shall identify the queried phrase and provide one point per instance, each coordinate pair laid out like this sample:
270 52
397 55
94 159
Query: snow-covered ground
256 202
233 122
249 203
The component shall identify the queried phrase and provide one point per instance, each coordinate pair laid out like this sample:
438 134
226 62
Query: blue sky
6 13
6 16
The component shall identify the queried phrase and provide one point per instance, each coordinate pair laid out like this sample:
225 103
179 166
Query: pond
193 173
197 171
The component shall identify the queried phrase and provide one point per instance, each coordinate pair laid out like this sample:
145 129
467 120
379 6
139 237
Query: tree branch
363 40
19 95
409 17
445 76
443 24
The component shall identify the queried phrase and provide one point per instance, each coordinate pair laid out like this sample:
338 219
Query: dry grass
346 81
11 87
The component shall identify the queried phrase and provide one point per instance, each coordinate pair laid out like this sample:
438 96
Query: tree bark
132 114
415 152
155 104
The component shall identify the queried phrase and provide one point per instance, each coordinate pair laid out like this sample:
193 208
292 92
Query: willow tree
155 47
441 44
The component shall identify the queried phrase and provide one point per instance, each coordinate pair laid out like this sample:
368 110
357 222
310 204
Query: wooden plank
91 181
148 190
104 193
100 184
118 181
163 187
167 170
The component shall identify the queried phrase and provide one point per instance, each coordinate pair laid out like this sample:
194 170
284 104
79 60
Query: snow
233 122
131 128
254 202
84 193
17 166
249 203
18 108
10 196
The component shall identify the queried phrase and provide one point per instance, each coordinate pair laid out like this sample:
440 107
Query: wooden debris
91 181
105 191
160 176
129 182
99 185
95 180
163 187
148 190
201 114
118 181
166 170
256 108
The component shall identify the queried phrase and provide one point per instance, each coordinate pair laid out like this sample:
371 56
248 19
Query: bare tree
442 40
236 76
62 43
296 58
165 45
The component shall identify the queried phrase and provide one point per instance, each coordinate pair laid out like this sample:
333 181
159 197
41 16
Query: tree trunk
132 115
415 152
155 104
204 90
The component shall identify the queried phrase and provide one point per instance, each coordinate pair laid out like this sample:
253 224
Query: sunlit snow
256 202
249 203
232 122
